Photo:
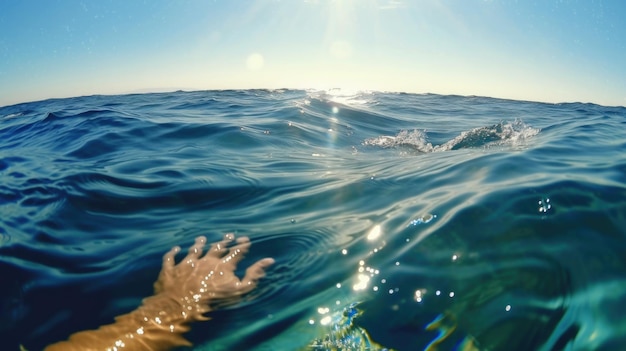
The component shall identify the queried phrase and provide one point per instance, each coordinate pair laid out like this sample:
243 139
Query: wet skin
183 293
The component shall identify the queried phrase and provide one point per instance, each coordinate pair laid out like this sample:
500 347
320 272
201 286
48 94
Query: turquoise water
504 220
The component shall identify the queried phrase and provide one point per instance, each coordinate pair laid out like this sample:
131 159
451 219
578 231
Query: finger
219 248
169 259
196 249
255 272
237 252
166 269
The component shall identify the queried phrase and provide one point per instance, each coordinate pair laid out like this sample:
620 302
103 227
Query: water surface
384 212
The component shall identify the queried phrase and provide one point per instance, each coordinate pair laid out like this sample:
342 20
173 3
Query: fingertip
243 239
168 258
257 270
172 252
267 261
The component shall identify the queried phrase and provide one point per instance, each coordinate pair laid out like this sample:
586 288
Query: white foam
505 133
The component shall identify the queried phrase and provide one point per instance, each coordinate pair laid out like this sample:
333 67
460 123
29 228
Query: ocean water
398 221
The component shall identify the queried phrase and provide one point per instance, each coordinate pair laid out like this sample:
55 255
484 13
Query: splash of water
504 133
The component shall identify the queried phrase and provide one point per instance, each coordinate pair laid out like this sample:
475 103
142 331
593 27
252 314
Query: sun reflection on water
338 320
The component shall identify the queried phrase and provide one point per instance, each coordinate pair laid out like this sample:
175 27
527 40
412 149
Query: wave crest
504 133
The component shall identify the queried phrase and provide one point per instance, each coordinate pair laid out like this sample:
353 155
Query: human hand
199 280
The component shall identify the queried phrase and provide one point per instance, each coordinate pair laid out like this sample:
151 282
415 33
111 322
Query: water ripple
502 220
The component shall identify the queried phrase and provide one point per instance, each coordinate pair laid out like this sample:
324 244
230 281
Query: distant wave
504 133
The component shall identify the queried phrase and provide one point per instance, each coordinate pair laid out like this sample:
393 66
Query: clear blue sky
541 50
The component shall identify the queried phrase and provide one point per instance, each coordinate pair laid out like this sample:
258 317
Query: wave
504 133
95 189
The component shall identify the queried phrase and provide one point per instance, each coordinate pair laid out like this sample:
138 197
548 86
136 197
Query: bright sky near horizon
540 50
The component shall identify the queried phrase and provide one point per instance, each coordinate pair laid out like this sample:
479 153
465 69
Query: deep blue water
384 212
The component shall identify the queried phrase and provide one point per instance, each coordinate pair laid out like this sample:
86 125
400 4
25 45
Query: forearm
158 324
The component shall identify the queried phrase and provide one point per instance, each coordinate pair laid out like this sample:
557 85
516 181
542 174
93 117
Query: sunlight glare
374 233
255 62
341 49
